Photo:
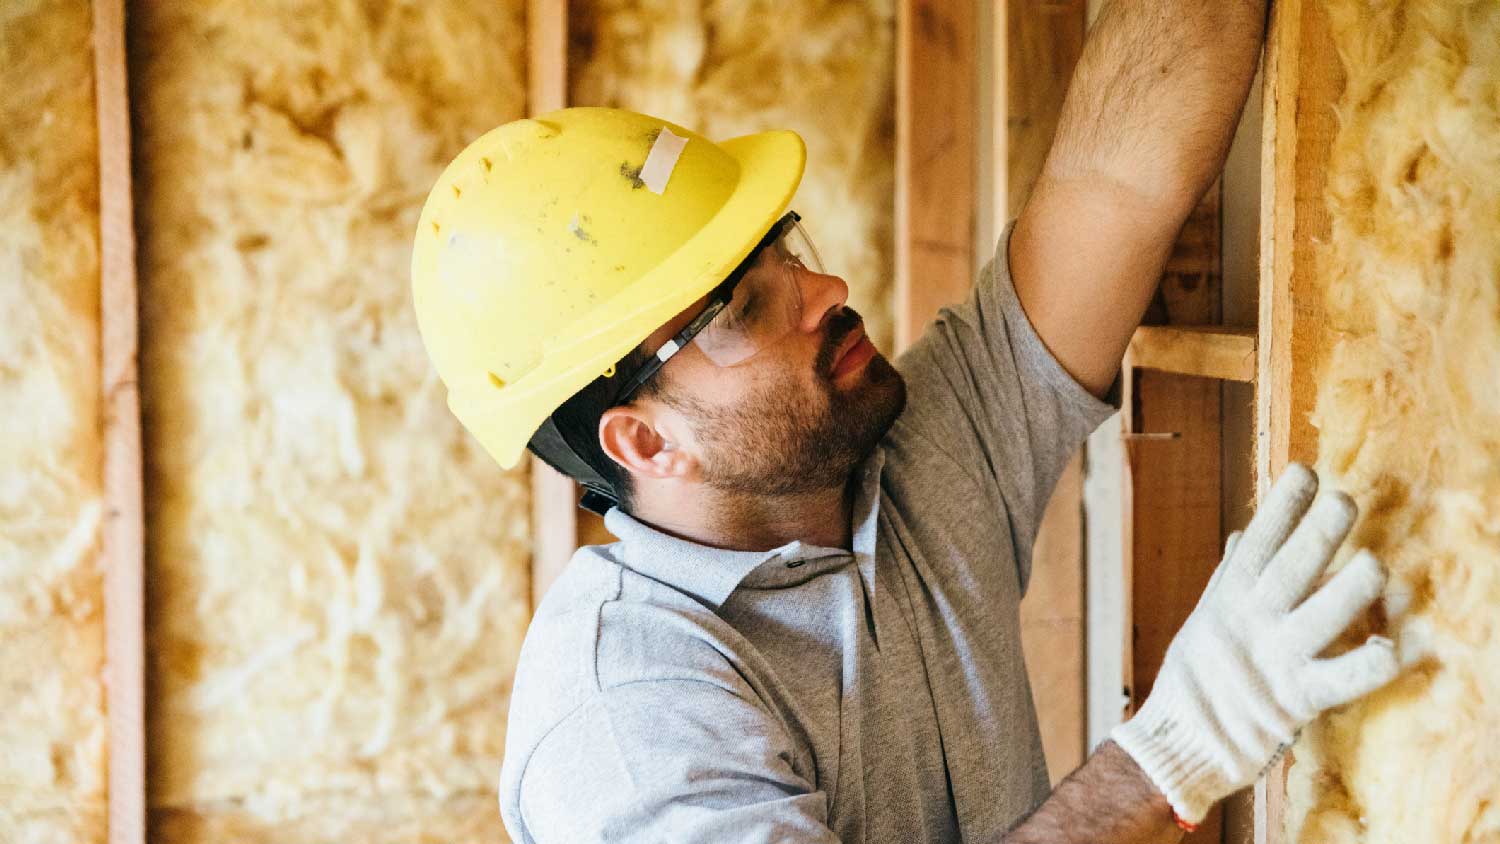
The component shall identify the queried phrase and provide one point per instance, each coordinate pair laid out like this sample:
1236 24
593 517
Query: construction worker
808 630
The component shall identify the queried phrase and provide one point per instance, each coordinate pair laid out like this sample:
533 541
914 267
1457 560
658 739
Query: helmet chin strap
549 444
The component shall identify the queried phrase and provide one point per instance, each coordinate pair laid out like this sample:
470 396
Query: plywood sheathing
1407 416
338 574
52 768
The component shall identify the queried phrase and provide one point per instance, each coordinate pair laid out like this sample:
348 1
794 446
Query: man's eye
746 308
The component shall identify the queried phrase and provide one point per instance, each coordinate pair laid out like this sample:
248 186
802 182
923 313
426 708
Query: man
808 631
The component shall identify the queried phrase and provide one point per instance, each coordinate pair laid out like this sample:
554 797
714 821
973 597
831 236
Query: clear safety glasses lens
766 303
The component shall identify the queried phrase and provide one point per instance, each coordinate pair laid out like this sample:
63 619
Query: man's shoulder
601 626
620 626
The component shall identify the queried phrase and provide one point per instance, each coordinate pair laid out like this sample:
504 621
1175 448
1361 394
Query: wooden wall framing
936 187
124 522
936 190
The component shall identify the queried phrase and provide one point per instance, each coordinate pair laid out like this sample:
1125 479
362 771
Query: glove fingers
1231 541
1331 609
1219 569
1278 514
1336 681
1301 561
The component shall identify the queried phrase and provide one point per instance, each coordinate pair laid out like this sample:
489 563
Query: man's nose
822 294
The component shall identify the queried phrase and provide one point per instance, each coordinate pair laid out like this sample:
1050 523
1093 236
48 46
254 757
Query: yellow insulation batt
1408 412
730 67
338 574
52 732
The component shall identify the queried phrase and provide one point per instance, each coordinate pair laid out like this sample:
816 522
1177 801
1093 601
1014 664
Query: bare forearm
1156 95
1108 800
1144 130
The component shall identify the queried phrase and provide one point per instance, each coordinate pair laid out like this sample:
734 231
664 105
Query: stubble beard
780 441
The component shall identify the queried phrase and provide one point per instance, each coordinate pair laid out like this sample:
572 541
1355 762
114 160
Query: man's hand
1243 675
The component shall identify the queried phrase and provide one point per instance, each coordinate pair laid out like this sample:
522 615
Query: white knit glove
1242 675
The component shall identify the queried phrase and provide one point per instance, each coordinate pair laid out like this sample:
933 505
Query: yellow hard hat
553 246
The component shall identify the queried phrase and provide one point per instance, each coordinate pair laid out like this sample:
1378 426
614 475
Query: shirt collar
712 574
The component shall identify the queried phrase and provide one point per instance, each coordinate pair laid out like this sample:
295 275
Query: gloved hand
1243 675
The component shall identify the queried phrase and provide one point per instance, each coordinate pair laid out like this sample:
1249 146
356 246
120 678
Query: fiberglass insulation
1408 413
52 735
338 574
729 67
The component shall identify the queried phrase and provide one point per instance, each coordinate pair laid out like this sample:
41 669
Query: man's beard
781 441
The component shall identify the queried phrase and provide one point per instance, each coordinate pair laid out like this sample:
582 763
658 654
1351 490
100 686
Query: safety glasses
757 305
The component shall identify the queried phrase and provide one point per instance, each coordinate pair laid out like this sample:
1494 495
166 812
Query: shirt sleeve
672 760
989 404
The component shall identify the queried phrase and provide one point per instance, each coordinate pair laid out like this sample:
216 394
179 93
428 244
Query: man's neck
750 522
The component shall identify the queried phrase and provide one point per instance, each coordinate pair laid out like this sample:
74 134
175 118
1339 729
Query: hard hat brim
771 167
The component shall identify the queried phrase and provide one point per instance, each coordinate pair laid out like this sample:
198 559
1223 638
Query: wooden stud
1171 475
1172 446
1041 44
546 55
1176 532
1278 190
1052 625
1172 431
554 496
936 144
554 526
1205 351
124 525
1303 80
1034 48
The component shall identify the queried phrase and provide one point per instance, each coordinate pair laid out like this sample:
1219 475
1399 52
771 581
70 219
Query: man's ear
629 438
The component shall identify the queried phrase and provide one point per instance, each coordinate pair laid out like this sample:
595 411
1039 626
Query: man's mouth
853 353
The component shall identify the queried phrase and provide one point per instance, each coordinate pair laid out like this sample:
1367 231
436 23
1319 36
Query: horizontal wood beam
1205 351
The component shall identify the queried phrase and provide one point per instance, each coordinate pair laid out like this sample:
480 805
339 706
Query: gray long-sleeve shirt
670 692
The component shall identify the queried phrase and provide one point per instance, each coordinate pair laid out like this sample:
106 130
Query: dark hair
578 420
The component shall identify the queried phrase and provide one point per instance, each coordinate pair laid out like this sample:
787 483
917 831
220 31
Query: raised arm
1144 130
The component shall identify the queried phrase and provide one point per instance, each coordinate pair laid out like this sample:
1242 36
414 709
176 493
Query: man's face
800 414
